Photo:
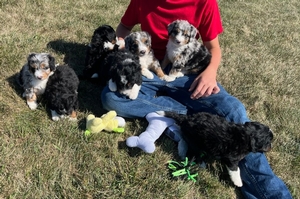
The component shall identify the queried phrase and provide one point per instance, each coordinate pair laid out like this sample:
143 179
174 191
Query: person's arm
206 82
122 31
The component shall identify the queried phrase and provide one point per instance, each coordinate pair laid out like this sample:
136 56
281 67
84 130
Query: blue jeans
259 181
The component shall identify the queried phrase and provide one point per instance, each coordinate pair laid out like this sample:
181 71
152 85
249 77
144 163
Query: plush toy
108 122
146 140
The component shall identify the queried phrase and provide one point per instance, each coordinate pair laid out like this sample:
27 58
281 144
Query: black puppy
103 42
215 136
61 93
125 73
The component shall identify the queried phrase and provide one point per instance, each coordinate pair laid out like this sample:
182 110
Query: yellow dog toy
109 122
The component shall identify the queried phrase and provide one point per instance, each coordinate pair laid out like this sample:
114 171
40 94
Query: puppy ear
30 57
149 38
194 31
171 27
51 62
128 42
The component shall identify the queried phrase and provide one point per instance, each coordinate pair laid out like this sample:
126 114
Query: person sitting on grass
190 93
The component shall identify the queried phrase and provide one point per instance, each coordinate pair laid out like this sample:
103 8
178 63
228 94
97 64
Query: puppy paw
32 104
134 92
168 78
147 73
55 116
235 177
112 86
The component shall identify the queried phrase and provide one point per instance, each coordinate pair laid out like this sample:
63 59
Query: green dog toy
182 168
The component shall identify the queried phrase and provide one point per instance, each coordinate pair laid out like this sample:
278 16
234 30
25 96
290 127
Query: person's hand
205 84
121 42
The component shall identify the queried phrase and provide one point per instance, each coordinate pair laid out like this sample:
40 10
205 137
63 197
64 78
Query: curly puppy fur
34 75
125 73
227 141
61 93
103 42
184 51
139 43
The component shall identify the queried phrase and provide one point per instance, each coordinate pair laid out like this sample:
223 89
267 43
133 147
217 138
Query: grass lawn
41 158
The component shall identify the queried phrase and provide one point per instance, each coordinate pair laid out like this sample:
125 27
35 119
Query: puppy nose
142 52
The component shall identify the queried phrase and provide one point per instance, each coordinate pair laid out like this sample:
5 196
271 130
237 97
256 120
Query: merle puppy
103 42
184 51
215 136
125 73
61 93
34 75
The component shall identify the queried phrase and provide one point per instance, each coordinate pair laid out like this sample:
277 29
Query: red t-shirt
155 15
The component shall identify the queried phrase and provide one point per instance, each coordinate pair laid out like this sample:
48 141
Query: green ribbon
182 168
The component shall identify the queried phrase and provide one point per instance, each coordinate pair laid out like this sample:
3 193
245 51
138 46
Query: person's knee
235 110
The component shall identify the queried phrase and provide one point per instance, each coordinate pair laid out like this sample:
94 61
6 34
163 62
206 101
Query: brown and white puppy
34 75
139 43
184 51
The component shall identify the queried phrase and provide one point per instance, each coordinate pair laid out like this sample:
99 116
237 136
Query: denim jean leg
257 175
259 181
146 102
222 103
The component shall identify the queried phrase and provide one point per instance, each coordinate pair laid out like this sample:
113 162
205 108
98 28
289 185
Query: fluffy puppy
103 42
34 75
184 51
125 73
139 43
61 93
214 136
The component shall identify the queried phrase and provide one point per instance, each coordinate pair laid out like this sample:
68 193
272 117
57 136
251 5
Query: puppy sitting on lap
139 43
34 75
125 73
184 51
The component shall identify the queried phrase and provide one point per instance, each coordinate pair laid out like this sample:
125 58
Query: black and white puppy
139 43
217 138
103 42
61 93
34 76
184 51
125 73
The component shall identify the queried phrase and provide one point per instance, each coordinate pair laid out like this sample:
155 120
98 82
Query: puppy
139 43
184 51
125 73
214 136
61 93
103 42
34 75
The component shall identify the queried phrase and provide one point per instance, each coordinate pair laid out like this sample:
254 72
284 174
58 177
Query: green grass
45 159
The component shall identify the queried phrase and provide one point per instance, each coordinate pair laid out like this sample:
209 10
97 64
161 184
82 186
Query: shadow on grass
74 53
88 93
